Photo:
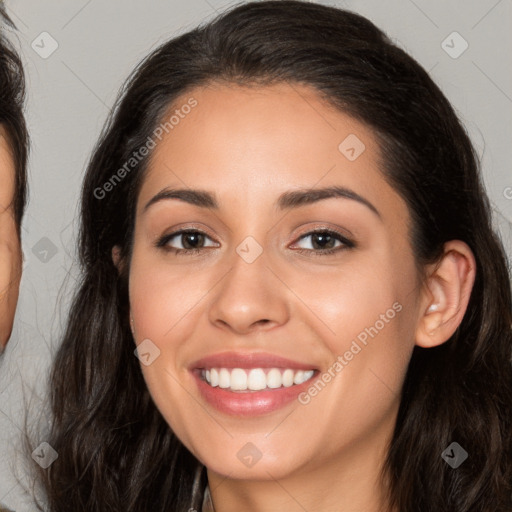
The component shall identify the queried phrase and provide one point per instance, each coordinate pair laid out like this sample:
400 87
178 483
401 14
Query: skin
248 146
10 248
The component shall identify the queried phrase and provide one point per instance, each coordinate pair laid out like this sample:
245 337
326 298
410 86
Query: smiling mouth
242 380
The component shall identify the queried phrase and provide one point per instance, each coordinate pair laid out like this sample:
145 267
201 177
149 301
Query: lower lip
250 403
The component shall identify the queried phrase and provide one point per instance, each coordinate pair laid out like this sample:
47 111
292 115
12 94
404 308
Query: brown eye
325 241
191 240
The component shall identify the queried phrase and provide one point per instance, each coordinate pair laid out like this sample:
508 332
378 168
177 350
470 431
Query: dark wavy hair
116 452
12 99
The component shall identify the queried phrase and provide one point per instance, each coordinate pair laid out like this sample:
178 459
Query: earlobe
132 326
116 256
446 295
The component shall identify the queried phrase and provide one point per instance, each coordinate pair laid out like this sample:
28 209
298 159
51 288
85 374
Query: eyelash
347 244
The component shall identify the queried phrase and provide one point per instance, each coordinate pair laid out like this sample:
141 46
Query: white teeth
288 378
274 379
307 375
224 378
238 379
299 377
302 376
257 379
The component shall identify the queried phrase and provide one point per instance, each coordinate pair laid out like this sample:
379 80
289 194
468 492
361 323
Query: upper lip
248 360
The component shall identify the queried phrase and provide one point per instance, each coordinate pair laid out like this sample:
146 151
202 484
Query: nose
249 298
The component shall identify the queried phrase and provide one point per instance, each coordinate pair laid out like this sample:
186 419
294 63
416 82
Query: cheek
160 296
159 302
366 314
349 300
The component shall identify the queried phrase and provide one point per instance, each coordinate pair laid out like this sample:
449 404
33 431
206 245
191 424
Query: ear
118 262
116 257
446 295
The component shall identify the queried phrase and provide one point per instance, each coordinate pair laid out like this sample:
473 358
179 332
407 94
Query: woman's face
262 286
10 250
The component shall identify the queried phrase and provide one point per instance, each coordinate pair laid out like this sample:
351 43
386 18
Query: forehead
254 142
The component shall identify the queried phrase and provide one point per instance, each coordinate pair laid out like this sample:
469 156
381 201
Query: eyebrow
286 201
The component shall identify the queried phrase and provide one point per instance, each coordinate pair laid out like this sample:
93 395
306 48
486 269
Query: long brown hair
116 452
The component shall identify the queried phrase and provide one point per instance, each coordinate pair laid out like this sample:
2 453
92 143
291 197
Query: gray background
71 91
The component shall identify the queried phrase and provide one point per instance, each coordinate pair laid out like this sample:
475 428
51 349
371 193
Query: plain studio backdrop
78 53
